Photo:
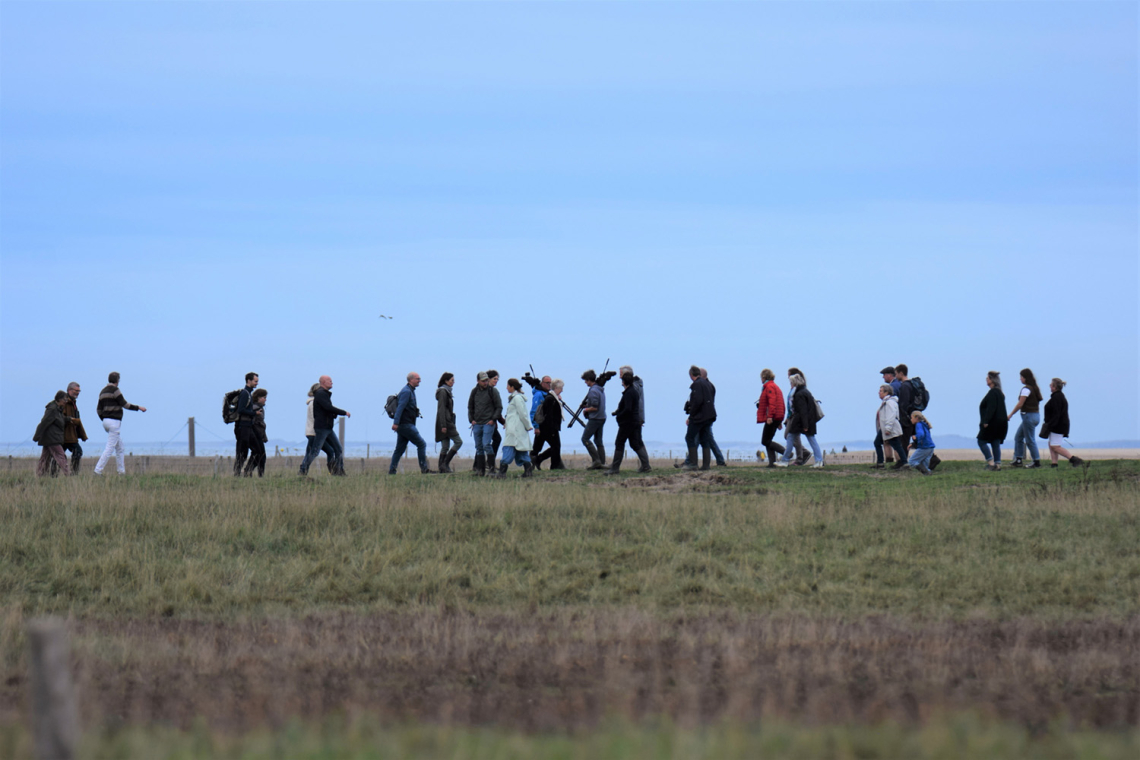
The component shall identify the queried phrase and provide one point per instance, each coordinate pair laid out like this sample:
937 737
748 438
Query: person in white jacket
516 432
888 428
311 433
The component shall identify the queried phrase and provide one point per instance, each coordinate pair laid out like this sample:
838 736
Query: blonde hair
917 416
797 380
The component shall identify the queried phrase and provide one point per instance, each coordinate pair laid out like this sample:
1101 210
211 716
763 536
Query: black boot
491 467
692 460
441 465
593 452
643 458
616 466
502 473
706 459
771 451
447 462
602 454
528 470
480 466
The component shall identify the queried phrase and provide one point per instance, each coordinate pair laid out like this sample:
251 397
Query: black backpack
390 406
920 398
229 407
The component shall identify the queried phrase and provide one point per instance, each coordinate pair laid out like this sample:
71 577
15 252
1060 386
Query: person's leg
398 453
985 448
692 435
76 457
1019 442
44 463
507 456
315 445
244 435
1029 424
256 457
619 451
997 452
413 434
712 445
600 443
539 442
797 446
120 453
790 446
59 457
588 435
555 450
496 441
879 447
1055 452
897 443
338 452
816 450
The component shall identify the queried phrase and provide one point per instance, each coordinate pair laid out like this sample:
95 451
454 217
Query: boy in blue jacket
923 443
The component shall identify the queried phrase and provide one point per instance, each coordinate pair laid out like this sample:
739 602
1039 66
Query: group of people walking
901 427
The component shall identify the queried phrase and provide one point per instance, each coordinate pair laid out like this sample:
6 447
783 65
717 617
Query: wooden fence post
54 714
190 425
343 446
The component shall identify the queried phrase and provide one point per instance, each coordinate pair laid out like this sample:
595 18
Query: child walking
923 443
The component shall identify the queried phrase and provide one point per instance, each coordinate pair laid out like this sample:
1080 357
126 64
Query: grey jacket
596 397
484 405
444 413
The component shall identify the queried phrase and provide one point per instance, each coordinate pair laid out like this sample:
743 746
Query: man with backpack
913 397
404 423
243 426
324 414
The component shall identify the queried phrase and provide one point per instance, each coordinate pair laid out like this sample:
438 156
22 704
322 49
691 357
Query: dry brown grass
573 670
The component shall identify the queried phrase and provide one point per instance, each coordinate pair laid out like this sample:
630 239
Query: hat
887 371
481 377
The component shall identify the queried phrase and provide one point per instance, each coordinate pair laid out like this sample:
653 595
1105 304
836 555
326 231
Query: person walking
260 437
994 424
310 433
540 391
404 423
701 410
709 439
516 432
888 429
243 428
73 431
484 407
770 414
905 393
889 378
324 414
1029 404
548 419
789 402
628 416
446 431
110 411
1057 423
923 443
49 435
595 414
803 422
639 386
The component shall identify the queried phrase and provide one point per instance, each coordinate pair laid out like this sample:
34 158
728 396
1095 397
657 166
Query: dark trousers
593 431
330 453
908 433
553 438
257 458
496 442
539 442
766 440
323 437
246 440
631 433
76 455
694 434
405 434
706 440
895 443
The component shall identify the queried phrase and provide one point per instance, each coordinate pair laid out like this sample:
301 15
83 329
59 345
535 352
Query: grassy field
879 613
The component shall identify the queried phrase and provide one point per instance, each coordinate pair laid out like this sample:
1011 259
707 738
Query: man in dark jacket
701 408
549 420
404 423
49 435
73 432
324 414
484 409
259 437
243 428
628 416
907 404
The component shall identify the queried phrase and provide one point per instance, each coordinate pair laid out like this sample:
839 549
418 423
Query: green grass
962 736
843 540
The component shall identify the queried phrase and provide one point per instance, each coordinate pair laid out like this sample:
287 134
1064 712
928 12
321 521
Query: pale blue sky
191 191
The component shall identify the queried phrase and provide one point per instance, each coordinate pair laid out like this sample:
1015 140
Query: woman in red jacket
770 413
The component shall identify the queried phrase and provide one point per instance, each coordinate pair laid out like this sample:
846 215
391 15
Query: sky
191 191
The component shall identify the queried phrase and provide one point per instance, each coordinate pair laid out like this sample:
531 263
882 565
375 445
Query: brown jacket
73 432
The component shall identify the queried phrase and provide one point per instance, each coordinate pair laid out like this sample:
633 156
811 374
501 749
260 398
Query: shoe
692 460
923 469
602 455
1076 461
480 465
807 457
1016 463
491 468
643 460
817 465
528 470
616 466
722 464
781 463
442 464
706 459
771 464
1036 465
878 466
502 472
593 452
426 471
1053 466
899 465
992 467
447 463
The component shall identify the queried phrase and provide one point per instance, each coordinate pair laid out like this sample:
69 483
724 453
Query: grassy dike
744 612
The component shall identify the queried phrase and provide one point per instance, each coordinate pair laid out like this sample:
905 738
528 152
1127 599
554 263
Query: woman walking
923 443
770 413
803 422
1029 404
888 428
516 432
445 430
994 424
1057 423
549 419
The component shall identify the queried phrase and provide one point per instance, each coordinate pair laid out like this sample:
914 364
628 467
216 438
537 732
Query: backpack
390 406
229 407
921 397
540 413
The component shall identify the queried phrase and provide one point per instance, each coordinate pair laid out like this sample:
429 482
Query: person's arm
471 406
126 404
1017 408
525 417
441 415
401 404
324 402
245 403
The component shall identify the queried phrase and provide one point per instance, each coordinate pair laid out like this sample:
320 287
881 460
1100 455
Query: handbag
818 410
1045 430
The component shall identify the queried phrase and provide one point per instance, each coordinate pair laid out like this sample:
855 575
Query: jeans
985 446
518 457
321 438
484 434
895 443
330 453
114 445
707 439
407 433
694 435
921 457
593 430
815 448
1026 436
790 446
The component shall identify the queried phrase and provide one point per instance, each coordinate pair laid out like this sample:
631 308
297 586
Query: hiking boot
899 465
643 460
924 469
1076 461
442 464
706 459
878 466
602 454
993 467
528 470
616 466
428 471
480 466
447 462
692 460
491 467
593 452
1016 463
1036 465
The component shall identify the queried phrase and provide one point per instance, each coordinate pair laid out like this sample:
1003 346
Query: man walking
404 423
49 435
595 414
702 412
324 414
638 386
708 440
908 403
484 408
540 392
73 431
628 419
110 411
243 428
